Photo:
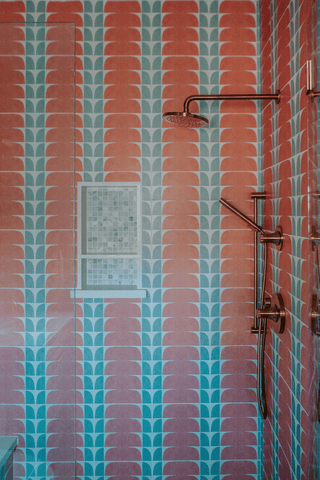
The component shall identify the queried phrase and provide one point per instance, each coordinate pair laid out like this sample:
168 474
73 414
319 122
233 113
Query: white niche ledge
79 293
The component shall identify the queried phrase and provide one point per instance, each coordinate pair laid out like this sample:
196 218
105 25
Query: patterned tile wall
289 438
313 258
37 172
238 178
163 387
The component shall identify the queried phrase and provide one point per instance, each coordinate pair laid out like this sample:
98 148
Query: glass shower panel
37 342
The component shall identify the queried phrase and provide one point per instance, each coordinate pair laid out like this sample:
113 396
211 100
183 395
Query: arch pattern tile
13 179
165 387
238 170
288 433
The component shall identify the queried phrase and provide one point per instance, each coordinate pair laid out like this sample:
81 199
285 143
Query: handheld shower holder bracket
276 237
267 304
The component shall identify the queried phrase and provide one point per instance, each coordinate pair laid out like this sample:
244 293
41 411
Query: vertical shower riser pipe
256 196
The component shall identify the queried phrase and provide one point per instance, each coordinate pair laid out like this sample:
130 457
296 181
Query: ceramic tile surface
289 436
164 386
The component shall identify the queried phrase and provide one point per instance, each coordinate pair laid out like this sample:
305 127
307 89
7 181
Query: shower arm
274 237
241 215
254 96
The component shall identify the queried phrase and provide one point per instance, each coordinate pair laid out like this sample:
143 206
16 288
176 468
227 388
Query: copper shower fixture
270 307
187 119
275 237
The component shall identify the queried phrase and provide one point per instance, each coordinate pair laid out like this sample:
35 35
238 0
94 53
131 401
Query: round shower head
185 119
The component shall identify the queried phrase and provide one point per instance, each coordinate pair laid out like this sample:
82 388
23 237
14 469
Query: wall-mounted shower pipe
269 308
310 91
275 237
221 96
187 119
255 197
241 215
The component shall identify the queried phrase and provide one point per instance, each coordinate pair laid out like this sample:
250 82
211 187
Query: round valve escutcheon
278 303
276 312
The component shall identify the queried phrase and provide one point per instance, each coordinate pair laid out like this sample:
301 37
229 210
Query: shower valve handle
274 311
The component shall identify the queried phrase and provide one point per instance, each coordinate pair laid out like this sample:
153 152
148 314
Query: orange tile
180 295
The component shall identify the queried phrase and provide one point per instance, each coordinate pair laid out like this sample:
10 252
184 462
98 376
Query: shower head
185 119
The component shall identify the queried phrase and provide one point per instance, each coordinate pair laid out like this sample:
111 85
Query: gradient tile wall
313 264
37 224
163 387
289 433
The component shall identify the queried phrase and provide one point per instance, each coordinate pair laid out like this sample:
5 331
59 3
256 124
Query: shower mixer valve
275 311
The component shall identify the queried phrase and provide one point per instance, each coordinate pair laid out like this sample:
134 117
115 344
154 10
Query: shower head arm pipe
275 237
254 96
242 216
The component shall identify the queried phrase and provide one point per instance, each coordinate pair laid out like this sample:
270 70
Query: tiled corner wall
313 24
163 387
289 433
